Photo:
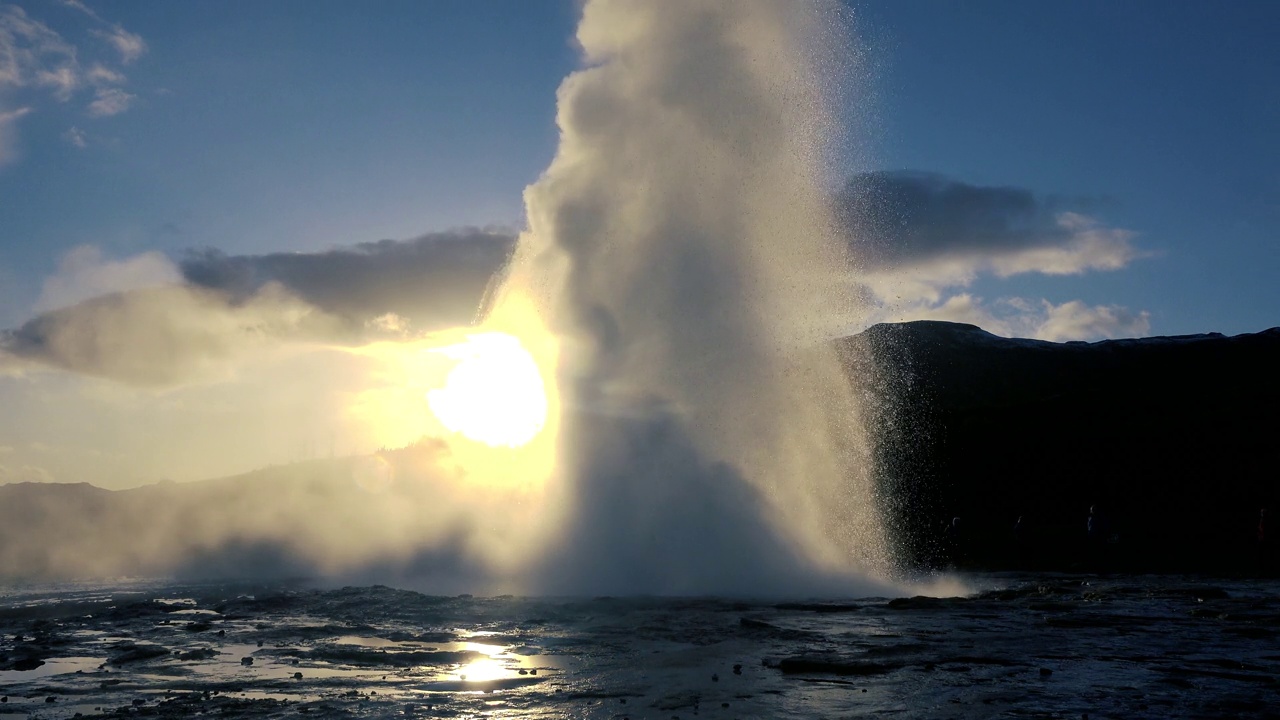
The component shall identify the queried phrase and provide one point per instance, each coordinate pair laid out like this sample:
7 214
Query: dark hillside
1176 440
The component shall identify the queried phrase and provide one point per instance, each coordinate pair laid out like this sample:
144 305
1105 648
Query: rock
27 663
130 652
197 654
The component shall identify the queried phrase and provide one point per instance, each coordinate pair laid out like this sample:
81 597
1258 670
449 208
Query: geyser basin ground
1038 646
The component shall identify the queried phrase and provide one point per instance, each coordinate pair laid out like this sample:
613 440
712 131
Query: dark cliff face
1175 440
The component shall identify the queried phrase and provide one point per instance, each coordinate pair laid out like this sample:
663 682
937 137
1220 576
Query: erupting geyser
682 248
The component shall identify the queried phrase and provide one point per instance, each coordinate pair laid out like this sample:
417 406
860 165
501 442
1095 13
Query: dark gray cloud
434 281
905 215
161 326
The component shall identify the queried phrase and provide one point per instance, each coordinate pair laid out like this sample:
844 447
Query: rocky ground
1062 646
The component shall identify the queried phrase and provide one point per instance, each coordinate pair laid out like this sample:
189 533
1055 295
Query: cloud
925 232
110 101
38 61
431 282
24 473
1075 320
922 239
84 273
101 75
129 45
76 136
31 53
1041 320
162 336
62 81
78 5
144 321
8 123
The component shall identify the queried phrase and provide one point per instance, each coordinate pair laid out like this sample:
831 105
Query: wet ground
1060 646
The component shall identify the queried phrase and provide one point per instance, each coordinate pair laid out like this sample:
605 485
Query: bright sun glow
494 395
486 394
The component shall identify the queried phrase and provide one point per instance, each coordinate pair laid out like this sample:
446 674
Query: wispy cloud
110 101
30 52
76 137
78 5
129 45
8 122
102 75
62 81
37 63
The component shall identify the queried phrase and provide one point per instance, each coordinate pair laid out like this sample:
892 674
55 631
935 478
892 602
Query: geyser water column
682 246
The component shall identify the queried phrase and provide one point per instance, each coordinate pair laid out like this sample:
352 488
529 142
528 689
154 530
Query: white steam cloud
684 246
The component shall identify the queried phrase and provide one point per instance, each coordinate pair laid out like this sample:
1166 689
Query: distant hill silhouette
1176 440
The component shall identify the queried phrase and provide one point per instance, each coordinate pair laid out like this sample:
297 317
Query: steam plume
683 244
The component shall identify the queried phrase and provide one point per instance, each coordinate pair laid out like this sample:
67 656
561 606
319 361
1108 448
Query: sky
318 170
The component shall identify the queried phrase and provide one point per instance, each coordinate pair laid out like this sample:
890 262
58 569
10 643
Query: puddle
482 666
51 667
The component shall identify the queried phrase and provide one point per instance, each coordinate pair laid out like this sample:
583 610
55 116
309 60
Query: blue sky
204 205
301 126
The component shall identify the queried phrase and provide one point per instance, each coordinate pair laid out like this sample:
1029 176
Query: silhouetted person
1097 530
1021 547
954 541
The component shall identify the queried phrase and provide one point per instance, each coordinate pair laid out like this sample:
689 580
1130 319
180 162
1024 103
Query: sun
494 394
487 392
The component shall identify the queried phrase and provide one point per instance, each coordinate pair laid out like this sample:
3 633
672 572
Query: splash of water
682 246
